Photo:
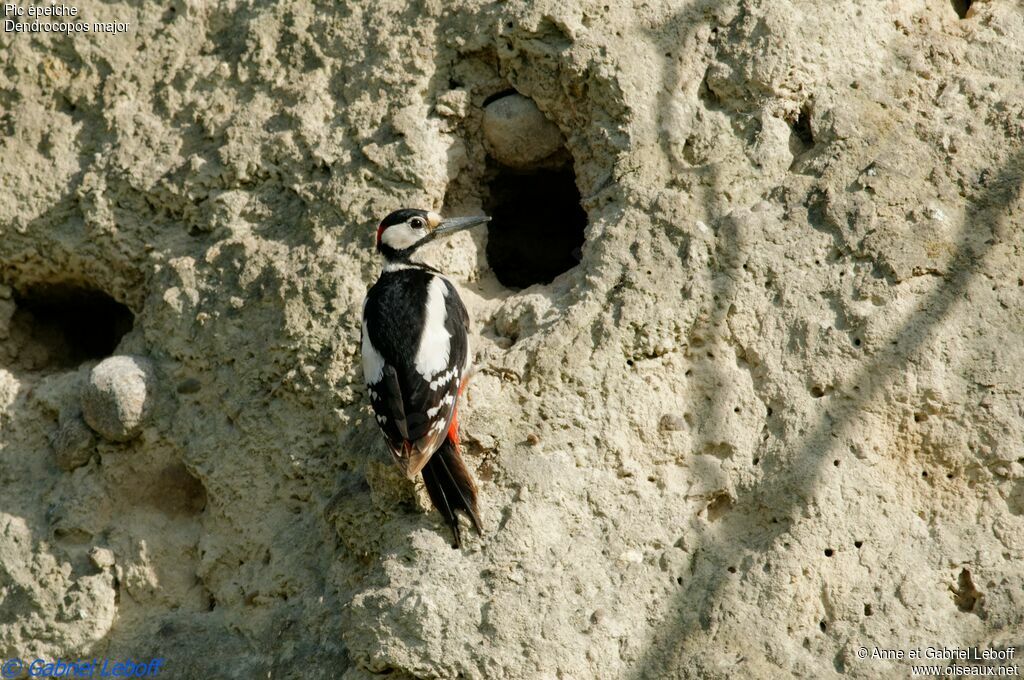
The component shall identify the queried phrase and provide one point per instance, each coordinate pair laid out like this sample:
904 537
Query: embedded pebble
670 422
101 558
518 134
73 444
117 397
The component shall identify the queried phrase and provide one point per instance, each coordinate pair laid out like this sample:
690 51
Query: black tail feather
450 487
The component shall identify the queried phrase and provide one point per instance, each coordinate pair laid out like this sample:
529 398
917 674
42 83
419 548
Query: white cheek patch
401 236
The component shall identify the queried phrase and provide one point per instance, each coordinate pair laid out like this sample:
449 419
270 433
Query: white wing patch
373 362
435 343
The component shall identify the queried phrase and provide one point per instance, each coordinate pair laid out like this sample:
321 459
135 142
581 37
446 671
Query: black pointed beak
455 224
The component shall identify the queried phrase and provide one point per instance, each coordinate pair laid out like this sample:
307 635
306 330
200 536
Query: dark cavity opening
966 595
63 325
801 138
537 223
961 7
498 95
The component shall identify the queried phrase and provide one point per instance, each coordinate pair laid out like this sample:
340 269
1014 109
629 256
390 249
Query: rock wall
771 414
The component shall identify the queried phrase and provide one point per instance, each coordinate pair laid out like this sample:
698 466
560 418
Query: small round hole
961 7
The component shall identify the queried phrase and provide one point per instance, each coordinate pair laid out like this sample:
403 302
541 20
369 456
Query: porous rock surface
772 417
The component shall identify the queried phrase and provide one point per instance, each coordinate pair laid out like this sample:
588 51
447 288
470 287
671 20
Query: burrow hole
176 491
966 596
720 504
961 7
58 326
537 222
801 138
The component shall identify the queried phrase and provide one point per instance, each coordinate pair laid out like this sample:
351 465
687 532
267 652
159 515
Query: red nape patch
380 230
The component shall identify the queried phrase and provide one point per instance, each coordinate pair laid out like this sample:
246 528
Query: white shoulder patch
435 343
373 362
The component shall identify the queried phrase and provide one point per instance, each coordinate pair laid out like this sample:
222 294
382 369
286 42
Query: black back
394 317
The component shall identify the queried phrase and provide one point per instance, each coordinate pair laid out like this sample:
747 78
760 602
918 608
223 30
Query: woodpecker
416 360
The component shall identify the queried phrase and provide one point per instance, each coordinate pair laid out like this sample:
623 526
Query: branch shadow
736 535
723 555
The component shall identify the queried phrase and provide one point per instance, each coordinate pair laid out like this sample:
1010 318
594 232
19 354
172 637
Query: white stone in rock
117 397
518 134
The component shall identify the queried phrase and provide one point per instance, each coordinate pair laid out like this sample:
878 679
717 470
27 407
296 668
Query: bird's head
404 231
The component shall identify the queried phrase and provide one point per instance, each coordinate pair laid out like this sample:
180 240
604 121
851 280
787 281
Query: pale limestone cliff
769 412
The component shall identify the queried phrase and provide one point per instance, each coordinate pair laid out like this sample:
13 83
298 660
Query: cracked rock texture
772 416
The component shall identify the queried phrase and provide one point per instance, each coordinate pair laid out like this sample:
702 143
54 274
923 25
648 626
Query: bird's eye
418 222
